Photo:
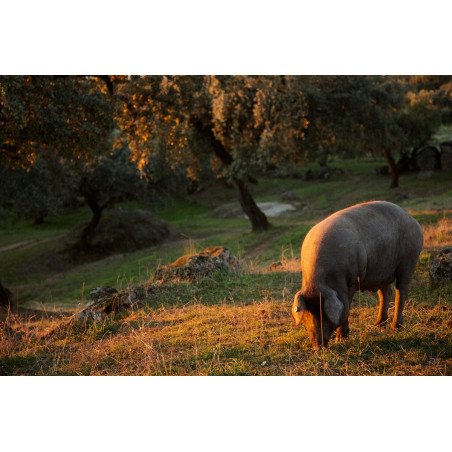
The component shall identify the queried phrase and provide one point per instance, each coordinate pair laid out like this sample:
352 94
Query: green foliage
185 131
36 192
165 176
52 114
350 115
112 178
255 119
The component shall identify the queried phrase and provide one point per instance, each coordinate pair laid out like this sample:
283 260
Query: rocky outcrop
441 267
446 155
194 267
119 231
107 300
190 268
427 159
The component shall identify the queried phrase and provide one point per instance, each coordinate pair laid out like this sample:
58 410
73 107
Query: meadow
227 324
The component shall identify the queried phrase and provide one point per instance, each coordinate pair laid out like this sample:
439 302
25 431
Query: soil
25 243
271 209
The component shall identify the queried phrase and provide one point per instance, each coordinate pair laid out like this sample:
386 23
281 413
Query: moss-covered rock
196 266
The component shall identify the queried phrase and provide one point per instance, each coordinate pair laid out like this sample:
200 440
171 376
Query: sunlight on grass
227 324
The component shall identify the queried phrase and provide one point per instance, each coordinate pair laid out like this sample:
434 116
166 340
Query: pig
364 247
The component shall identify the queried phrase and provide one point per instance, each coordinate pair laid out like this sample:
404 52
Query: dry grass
230 338
236 325
438 234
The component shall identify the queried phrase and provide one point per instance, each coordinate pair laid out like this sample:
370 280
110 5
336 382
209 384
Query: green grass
24 270
15 230
224 325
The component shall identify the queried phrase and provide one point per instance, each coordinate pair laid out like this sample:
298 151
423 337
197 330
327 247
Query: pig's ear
299 305
334 308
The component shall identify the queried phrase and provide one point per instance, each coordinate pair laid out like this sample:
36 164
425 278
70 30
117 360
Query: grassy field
227 325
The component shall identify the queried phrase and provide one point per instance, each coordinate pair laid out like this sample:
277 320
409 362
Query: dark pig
364 247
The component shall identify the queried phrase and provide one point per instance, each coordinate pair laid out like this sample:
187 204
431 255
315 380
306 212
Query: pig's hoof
396 326
341 337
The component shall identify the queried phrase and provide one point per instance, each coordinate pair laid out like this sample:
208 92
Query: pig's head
307 311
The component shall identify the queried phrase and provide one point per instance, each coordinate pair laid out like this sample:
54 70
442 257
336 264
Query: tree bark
392 169
89 229
258 219
108 83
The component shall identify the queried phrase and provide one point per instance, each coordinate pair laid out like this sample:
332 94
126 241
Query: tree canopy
40 115
229 126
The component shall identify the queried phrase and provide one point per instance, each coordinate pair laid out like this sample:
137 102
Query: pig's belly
375 280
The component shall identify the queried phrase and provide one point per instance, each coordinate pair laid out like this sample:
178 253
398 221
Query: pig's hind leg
403 278
384 295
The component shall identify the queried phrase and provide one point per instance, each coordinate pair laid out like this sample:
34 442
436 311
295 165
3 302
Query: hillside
226 325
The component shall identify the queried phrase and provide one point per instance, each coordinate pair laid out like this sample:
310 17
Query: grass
13 230
439 233
225 325
233 336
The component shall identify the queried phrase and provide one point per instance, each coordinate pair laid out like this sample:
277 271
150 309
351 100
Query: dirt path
24 243
15 245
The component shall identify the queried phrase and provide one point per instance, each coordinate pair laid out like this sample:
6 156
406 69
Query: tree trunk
89 229
258 218
5 296
38 219
392 169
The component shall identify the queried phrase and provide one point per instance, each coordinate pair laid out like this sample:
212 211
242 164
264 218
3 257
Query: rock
441 267
107 300
427 159
275 209
120 230
101 292
446 155
88 315
198 266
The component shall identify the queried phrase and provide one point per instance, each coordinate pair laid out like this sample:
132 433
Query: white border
225 413
237 37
